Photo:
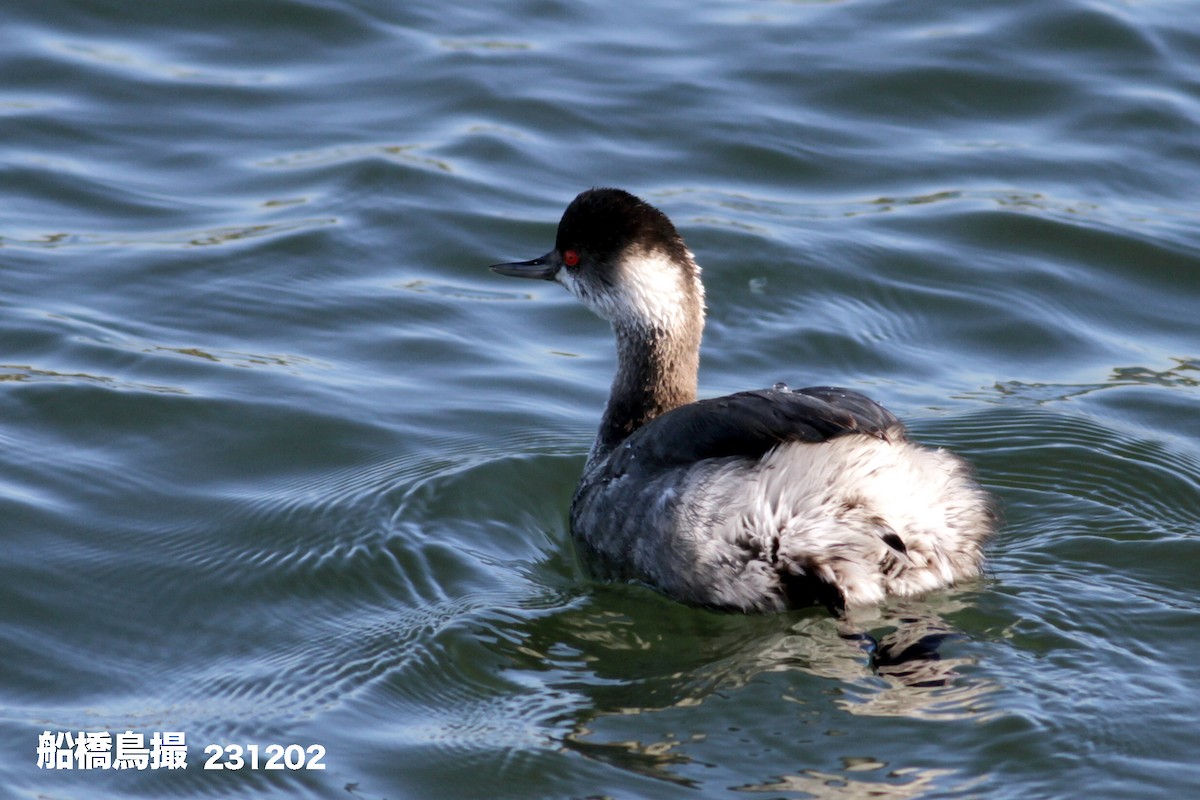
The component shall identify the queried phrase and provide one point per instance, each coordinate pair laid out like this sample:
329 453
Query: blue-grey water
282 463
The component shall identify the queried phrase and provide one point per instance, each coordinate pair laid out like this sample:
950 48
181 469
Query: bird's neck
656 372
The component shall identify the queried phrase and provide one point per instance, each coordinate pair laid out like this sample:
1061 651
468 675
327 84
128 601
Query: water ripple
407 154
1135 483
208 237
138 60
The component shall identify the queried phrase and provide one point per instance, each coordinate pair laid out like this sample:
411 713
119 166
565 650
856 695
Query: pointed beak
545 267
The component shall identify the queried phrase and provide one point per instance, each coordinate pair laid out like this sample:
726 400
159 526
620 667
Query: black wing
748 424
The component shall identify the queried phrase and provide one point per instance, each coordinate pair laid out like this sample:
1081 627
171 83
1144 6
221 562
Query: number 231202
273 756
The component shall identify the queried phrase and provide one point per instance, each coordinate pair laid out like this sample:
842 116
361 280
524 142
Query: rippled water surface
281 462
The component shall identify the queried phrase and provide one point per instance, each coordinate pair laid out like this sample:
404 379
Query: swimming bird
758 501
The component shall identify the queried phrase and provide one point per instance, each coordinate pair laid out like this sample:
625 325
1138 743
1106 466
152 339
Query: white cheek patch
651 289
649 292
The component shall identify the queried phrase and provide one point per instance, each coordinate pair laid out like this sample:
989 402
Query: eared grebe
757 501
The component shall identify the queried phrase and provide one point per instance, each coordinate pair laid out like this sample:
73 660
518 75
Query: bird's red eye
570 258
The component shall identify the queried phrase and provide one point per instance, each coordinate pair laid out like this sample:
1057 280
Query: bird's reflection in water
916 678
904 660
